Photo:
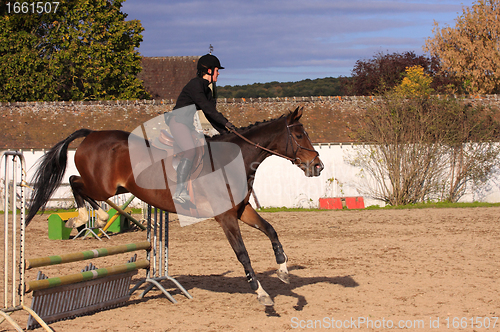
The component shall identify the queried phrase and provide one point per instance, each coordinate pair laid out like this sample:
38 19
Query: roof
164 77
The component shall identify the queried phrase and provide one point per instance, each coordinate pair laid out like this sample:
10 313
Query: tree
425 149
470 51
24 74
384 72
83 51
328 86
415 83
473 149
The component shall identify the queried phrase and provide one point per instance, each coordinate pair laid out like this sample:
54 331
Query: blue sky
288 40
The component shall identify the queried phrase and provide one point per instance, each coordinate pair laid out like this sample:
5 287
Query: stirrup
182 198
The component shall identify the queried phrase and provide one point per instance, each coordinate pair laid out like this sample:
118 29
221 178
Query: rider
197 92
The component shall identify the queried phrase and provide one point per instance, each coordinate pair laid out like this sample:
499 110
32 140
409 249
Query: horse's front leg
229 224
252 218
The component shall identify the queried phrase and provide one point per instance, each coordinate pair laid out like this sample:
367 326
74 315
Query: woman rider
197 92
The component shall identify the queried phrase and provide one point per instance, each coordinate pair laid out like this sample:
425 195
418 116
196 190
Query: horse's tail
49 173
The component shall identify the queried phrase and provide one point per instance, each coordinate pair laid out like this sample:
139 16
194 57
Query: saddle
166 138
165 141
212 161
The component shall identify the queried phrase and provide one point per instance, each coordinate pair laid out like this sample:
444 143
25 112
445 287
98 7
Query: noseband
290 139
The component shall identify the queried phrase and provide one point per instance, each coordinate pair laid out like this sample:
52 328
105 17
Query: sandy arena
350 270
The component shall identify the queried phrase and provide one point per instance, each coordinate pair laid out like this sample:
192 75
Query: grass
431 205
437 205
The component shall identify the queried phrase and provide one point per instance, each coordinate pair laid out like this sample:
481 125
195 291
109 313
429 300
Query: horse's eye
299 136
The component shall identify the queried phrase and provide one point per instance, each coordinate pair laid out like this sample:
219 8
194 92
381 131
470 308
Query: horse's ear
295 116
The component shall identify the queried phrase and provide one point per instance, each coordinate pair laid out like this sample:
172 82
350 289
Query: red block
355 202
334 203
331 203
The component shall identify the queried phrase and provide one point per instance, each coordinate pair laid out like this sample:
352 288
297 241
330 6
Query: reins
257 145
293 160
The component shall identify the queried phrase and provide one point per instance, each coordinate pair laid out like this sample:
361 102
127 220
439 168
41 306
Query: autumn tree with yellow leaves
470 51
415 83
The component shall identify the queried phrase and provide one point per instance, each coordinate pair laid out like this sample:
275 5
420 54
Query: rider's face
216 74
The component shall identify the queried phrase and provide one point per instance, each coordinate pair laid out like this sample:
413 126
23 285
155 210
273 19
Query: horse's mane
243 130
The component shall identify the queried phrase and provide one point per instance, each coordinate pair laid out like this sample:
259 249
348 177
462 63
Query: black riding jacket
198 92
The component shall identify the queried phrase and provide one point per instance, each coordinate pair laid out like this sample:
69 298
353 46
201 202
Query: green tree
328 86
471 50
83 51
24 74
384 71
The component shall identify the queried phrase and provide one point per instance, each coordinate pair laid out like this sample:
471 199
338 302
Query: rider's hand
230 126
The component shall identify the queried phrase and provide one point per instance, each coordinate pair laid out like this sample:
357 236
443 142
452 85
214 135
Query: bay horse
103 161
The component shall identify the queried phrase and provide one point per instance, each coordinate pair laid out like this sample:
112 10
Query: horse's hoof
283 276
73 223
102 216
265 300
100 223
69 223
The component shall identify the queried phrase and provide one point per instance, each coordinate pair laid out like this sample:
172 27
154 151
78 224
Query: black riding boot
183 170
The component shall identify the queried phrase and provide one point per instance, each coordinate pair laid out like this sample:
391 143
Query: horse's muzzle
312 168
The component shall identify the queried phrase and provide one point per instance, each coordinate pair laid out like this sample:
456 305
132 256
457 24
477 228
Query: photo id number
40 7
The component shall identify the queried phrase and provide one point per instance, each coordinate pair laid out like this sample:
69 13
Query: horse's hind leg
77 187
252 218
229 224
83 216
102 216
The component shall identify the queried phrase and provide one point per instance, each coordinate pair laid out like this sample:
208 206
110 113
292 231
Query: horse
103 161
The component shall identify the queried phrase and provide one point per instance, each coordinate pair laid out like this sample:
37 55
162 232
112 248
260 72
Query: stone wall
39 125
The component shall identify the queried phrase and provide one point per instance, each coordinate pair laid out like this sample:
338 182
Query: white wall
280 183
63 197
277 182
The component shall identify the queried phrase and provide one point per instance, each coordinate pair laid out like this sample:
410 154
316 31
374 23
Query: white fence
279 183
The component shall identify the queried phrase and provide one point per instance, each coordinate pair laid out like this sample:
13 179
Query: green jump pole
87 254
84 276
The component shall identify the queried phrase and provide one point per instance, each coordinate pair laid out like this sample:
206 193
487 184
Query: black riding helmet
208 61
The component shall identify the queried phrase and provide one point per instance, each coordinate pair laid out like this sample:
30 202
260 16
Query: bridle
290 139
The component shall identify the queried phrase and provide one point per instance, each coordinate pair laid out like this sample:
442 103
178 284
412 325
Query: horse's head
299 147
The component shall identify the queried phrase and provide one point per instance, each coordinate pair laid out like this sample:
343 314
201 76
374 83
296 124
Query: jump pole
61 297
87 254
132 219
17 304
157 234
117 214
85 276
